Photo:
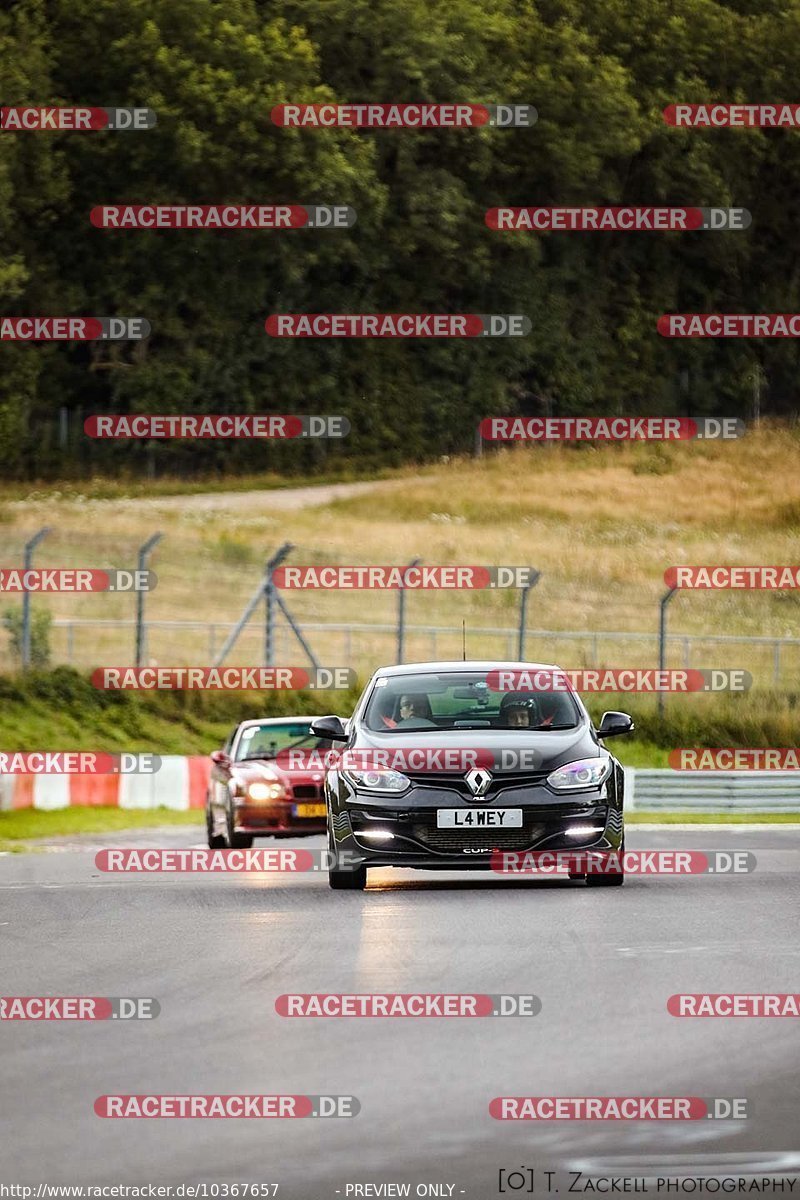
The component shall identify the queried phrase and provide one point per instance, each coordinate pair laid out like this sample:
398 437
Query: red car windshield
269 739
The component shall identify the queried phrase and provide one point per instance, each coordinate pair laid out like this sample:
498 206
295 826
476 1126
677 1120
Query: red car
267 781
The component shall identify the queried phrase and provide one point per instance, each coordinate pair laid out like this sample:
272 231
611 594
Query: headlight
379 781
266 791
575 776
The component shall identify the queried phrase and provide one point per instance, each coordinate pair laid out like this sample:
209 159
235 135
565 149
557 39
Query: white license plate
479 818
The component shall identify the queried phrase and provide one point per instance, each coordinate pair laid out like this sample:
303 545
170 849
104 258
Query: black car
444 764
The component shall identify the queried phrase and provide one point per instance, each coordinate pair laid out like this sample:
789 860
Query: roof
457 664
301 717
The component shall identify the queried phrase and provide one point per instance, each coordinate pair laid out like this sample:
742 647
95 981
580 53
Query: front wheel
350 879
215 840
353 879
237 841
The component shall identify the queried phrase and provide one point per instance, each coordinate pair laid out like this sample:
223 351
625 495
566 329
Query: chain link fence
86 644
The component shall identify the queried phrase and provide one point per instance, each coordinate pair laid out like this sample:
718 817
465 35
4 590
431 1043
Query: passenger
415 710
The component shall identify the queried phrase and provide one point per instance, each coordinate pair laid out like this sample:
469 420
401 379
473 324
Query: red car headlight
260 791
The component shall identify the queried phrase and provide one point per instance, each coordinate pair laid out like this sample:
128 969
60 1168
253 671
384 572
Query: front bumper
276 818
417 842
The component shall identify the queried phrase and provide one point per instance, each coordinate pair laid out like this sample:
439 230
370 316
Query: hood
542 750
269 770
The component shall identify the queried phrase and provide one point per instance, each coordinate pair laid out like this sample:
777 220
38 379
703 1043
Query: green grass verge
634 753
695 818
26 823
60 710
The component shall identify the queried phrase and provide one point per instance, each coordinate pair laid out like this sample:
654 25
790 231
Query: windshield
463 700
269 739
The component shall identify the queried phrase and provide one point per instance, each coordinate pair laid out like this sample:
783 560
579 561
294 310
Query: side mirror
615 723
221 758
330 728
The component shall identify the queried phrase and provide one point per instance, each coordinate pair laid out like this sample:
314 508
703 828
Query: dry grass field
601 523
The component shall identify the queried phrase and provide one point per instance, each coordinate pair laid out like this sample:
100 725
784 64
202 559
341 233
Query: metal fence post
269 621
295 628
30 546
270 598
232 637
662 641
523 610
145 551
401 610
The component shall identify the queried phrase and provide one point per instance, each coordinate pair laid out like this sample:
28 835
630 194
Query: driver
520 712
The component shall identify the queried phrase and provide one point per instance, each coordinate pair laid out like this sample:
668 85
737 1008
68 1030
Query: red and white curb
180 784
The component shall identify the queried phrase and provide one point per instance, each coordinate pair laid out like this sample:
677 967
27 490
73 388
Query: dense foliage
599 73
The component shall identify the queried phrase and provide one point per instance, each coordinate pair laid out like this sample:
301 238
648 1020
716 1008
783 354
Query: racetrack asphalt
216 950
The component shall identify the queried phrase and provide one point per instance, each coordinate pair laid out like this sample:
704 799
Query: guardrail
712 791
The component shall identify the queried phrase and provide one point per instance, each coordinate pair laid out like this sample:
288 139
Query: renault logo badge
478 781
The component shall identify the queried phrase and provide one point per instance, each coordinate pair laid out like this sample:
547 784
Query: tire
237 841
216 841
352 880
615 880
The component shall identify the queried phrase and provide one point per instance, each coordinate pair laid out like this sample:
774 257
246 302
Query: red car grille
306 791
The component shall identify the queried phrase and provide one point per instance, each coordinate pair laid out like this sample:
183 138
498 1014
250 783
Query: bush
40 634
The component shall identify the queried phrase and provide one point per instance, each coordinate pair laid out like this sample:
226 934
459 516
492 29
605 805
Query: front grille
456 782
458 840
306 791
